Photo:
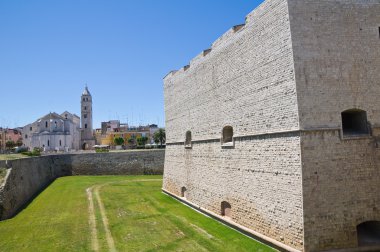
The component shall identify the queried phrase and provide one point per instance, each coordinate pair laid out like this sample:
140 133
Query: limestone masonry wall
27 177
246 81
248 75
123 163
289 82
336 47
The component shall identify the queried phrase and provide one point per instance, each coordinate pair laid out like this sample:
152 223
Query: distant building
62 132
114 129
2 139
6 135
53 132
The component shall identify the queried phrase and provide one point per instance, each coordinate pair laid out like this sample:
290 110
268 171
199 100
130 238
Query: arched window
354 122
48 142
55 124
46 124
183 192
226 209
188 139
227 135
368 233
60 142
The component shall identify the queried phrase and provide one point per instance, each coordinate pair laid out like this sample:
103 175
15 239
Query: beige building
276 127
62 132
53 132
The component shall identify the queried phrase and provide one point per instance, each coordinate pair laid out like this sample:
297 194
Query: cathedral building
62 132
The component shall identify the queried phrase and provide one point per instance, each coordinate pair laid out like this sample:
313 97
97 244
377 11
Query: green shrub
118 141
101 150
35 153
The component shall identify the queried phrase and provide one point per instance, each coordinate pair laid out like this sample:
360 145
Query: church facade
62 132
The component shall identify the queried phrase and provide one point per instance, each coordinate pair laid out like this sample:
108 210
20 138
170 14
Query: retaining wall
27 177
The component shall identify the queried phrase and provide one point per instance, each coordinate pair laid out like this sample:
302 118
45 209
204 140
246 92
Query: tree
19 142
10 144
142 140
118 141
160 136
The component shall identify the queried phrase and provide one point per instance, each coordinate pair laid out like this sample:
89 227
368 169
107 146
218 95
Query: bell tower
87 136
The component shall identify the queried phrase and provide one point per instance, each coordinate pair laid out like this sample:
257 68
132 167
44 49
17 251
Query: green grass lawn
138 218
12 156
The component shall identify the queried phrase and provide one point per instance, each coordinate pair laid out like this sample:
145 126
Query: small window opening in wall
26 136
31 128
48 143
368 233
354 122
85 126
379 31
183 192
60 142
85 116
227 135
188 139
55 123
46 124
226 209
85 108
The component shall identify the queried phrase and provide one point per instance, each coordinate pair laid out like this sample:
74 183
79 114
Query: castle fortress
276 127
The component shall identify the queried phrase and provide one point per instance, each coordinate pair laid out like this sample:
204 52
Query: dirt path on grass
92 218
92 221
109 238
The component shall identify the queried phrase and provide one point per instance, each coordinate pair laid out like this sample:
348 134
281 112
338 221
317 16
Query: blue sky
50 49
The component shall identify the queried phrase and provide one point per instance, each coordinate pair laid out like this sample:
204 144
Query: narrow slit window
188 139
183 192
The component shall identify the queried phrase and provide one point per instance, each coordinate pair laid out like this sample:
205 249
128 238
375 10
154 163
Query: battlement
227 36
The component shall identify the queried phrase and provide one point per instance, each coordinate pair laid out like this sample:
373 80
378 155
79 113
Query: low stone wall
119 163
27 177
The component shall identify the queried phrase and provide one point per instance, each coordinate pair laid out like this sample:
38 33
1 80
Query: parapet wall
123 163
27 177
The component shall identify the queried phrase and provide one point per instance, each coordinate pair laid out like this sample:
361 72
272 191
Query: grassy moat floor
115 213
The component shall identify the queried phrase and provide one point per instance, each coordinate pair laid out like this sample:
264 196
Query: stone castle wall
246 81
341 181
248 74
27 177
282 81
336 47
